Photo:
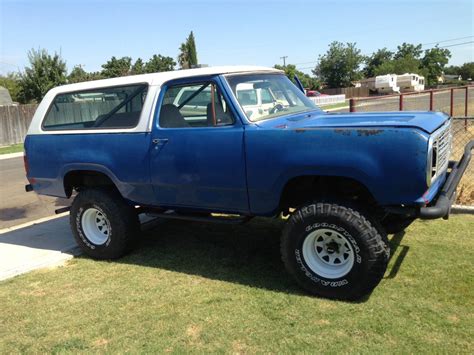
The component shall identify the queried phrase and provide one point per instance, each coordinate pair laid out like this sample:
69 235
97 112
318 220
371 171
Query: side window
267 96
247 97
113 107
194 105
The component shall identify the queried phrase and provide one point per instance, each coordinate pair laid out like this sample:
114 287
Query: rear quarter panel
124 157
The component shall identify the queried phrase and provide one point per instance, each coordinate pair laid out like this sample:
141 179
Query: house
447 77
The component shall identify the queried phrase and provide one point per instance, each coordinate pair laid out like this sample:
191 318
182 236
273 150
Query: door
198 158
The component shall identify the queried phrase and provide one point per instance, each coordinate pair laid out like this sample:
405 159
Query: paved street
16 205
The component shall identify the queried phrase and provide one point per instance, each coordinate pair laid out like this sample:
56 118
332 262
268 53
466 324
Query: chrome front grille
440 143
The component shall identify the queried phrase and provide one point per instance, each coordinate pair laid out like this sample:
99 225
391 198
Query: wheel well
302 189
75 180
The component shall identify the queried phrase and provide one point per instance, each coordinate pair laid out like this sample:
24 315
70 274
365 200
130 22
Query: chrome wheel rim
96 226
328 253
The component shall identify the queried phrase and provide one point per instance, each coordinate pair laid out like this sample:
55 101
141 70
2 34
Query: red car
314 93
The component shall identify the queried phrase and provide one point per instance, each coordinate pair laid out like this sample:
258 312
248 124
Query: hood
426 121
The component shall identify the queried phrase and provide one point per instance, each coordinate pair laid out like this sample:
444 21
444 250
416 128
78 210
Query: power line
457 44
447 40
10 64
284 60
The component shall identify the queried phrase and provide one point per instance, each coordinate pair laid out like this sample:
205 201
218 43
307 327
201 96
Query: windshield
265 96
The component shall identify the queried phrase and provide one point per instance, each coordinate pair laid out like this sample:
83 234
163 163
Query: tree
78 75
340 66
433 62
138 67
399 66
377 59
187 57
405 60
12 83
159 63
467 71
408 50
44 73
308 81
192 54
116 67
452 70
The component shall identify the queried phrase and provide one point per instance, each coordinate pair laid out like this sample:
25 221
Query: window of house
104 108
194 105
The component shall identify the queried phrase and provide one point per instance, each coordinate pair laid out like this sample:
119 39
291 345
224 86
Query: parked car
130 145
314 93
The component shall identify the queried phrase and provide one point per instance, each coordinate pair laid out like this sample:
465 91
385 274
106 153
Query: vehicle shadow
247 254
12 213
53 235
396 248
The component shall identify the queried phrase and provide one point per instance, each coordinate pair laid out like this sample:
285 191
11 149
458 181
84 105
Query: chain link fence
463 132
457 102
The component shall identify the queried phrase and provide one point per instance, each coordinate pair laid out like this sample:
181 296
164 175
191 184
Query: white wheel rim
328 253
96 226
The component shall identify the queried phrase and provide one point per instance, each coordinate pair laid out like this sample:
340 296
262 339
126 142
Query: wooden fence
14 123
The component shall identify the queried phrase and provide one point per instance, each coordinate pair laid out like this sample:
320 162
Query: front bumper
442 205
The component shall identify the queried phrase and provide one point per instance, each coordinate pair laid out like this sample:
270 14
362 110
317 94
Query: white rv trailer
382 84
411 82
386 84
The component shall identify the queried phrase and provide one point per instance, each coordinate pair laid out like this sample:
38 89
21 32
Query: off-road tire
368 242
122 221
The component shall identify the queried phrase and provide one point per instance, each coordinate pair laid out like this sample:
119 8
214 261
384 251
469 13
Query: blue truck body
244 168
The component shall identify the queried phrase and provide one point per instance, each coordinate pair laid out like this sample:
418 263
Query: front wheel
103 224
334 251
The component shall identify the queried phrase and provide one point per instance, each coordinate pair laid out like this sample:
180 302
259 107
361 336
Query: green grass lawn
15 148
192 287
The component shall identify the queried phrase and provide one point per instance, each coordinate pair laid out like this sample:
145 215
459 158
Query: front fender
389 162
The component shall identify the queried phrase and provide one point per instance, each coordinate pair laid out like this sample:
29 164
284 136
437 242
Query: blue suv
226 144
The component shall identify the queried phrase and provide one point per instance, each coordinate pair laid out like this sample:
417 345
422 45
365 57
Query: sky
88 33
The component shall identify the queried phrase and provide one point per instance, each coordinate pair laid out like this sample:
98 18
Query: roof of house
450 76
160 78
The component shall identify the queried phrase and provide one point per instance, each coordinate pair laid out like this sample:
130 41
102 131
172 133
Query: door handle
160 140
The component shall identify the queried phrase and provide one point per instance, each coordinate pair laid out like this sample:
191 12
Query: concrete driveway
16 205
31 235
46 242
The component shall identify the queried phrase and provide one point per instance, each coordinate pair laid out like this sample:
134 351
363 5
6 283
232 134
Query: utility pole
284 60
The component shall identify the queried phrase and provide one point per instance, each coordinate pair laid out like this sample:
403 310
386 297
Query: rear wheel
103 224
334 251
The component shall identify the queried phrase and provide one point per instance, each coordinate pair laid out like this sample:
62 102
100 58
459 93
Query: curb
11 155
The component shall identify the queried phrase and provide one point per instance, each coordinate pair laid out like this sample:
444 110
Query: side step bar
62 210
226 219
